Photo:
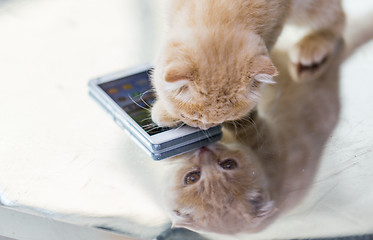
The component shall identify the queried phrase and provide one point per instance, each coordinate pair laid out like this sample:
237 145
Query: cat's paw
308 57
162 117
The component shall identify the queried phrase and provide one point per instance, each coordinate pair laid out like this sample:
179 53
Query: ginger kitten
264 164
216 57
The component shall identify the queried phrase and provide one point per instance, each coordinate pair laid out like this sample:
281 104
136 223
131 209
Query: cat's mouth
204 150
205 155
197 123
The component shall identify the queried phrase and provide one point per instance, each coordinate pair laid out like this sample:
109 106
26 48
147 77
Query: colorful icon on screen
142 82
121 99
112 91
127 86
135 94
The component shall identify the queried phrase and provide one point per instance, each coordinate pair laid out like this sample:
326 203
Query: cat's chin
208 124
199 124
164 119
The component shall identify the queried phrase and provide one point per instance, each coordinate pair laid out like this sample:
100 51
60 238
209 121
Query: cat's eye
228 164
192 177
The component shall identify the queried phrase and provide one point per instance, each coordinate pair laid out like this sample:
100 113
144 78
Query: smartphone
128 96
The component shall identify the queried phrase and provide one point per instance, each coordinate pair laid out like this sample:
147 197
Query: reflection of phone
127 96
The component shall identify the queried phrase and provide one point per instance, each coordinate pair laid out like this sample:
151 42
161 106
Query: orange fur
277 153
277 150
215 60
214 203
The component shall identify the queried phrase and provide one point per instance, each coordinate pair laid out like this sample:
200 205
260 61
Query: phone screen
134 95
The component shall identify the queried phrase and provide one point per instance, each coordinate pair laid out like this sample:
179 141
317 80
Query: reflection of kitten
264 165
215 58
214 192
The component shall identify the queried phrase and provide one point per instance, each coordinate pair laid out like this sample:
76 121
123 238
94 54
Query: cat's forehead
211 55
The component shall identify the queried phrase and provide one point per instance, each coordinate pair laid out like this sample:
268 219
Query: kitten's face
220 188
209 79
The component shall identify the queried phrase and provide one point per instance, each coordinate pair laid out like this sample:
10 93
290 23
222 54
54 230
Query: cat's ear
263 70
181 220
181 224
178 72
261 207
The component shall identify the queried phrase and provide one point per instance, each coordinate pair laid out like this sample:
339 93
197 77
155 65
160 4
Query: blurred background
59 151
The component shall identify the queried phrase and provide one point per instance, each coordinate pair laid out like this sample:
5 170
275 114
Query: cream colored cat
215 58
264 164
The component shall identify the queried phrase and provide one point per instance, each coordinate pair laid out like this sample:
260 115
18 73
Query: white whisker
137 104
142 95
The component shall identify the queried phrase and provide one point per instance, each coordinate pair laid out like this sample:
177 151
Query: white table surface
60 152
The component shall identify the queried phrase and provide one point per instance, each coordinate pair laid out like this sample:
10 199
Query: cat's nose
203 149
205 155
